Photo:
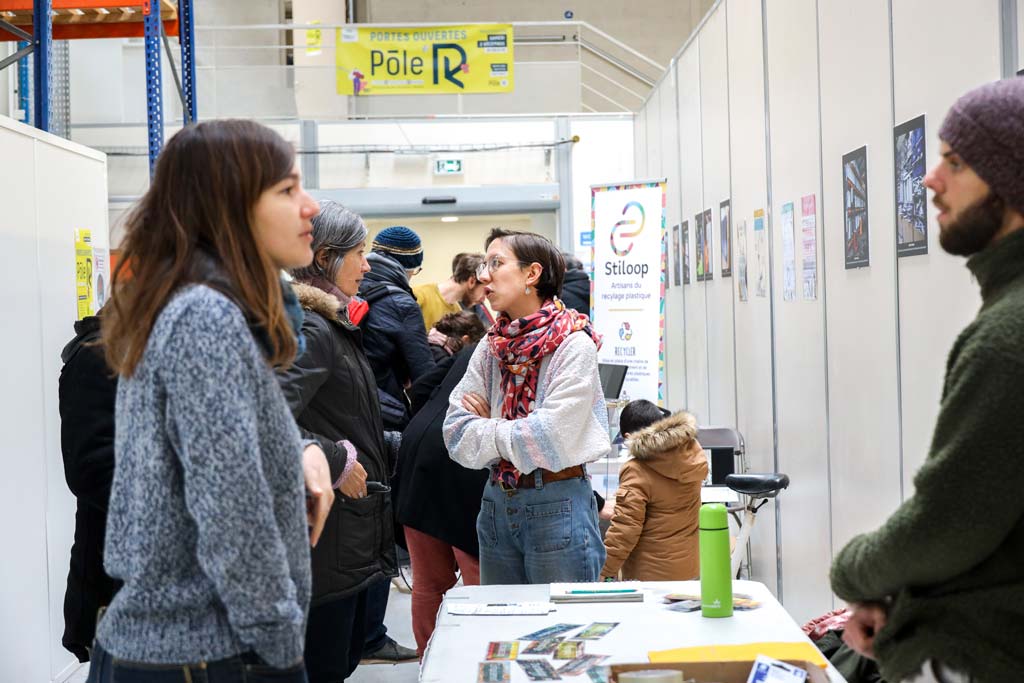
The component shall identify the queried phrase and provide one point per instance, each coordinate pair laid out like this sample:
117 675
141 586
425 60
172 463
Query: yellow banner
428 60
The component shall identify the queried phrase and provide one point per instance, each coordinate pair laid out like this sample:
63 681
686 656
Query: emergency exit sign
448 166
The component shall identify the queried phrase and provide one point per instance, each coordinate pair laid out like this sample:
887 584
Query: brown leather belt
528 481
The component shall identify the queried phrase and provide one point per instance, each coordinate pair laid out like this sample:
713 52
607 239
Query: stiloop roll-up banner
424 60
629 282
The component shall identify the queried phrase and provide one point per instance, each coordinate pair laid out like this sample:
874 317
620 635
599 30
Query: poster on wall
760 255
677 264
85 305
686 252
724 218
629 282
911 218
698 238
809 238
855 208
424 60
101 270
788 253
741 259
707 256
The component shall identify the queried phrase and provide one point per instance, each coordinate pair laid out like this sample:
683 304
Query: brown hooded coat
653 535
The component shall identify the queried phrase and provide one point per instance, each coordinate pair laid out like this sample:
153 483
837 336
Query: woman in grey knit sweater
207 523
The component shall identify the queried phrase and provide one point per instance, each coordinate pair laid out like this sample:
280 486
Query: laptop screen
612 377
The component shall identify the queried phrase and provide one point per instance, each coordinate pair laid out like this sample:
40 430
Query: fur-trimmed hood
317 300
667 447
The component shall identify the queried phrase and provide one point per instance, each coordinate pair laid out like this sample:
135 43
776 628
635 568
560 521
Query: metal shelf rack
75 19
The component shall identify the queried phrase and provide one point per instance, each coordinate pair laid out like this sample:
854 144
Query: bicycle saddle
758 485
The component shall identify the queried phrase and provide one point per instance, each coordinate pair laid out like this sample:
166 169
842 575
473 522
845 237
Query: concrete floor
399 623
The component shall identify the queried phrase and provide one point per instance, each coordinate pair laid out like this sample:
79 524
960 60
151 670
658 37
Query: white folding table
459 643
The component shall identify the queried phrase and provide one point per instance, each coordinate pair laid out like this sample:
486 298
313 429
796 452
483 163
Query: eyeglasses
415 271
488 267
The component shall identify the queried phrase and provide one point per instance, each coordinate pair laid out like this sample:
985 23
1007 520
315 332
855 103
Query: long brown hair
198 212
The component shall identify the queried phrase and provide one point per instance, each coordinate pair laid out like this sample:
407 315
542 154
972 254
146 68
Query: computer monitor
612 378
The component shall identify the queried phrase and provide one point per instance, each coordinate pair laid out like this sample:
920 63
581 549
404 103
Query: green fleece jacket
951 558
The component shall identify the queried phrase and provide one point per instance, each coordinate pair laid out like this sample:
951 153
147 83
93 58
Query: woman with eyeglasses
531 411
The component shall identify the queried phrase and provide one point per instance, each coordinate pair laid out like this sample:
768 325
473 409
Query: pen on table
616 590
500 604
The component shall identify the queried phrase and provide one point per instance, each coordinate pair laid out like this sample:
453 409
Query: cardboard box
718 672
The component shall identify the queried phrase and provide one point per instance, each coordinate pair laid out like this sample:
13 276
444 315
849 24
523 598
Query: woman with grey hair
333 396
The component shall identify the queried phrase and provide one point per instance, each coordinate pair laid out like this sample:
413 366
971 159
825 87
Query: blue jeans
244 668
546 534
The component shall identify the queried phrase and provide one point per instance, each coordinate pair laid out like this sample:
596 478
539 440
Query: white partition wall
839 390
48 188
675 358
937 294
800 368
714 79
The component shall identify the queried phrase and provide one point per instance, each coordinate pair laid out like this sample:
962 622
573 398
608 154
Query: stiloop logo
627 235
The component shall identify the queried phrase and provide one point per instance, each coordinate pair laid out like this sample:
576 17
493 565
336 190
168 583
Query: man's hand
354 483
319 494
476 404
864 624
608 511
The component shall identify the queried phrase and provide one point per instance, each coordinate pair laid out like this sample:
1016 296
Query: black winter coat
332 394
436 495
576 291
86 397
393 332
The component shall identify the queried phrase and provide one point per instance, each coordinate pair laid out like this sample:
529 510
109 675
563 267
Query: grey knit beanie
986 128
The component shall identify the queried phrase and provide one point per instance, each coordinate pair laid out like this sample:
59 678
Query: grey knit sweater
207 524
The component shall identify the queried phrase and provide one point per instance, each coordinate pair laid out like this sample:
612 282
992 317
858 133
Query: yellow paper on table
740 653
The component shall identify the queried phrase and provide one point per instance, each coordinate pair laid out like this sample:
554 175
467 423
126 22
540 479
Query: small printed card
768 670
577 666
503 650
544 646
539 670
569 649
550 631
596 630
494 672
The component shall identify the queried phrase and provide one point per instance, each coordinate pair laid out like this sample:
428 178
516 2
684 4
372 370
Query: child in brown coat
653 535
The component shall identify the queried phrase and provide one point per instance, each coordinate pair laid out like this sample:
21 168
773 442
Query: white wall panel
48 187
654 134
714 70
640 143
675 365
753 317
688 96
861 316
604 154
937 295
799 324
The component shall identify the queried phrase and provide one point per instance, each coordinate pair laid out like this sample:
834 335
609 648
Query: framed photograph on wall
677 265
911 214
855 208
707 255
724 219
699 239
685 254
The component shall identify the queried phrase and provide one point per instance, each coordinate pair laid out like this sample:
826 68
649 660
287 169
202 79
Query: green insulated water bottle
715 570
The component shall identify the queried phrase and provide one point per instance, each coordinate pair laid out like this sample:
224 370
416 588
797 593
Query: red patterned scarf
520 346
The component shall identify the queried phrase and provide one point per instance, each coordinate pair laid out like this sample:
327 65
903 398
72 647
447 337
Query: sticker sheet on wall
788 253
686 252
855 208
85 305
911 218
677 264
724 219
741 259
809 239
699 241
760 255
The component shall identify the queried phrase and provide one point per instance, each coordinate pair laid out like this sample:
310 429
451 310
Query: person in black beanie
938 590
576 286
393 332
